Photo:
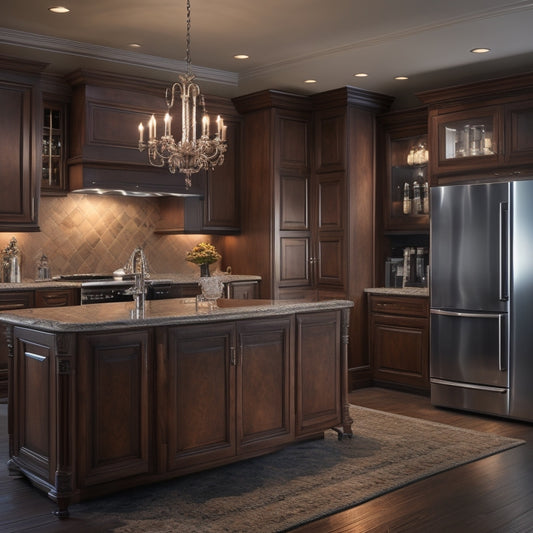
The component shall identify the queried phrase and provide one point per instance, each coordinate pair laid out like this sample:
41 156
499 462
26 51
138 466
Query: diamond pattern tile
89 233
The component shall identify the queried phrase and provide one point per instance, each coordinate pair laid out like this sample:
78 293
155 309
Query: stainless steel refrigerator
481 290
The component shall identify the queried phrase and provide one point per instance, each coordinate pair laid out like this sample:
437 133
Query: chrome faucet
138 266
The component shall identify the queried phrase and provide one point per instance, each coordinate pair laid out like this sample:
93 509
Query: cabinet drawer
16 300
56 298
400 305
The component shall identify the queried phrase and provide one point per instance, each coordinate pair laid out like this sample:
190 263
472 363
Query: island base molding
95 412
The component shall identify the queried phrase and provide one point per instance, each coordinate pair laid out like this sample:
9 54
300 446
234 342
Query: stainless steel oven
102 288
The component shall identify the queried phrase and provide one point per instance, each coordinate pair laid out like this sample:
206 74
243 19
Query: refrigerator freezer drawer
488 400
470 348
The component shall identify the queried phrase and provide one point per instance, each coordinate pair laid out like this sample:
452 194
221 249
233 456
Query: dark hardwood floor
494 494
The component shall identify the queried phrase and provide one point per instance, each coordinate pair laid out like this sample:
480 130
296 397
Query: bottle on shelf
417 204
406 199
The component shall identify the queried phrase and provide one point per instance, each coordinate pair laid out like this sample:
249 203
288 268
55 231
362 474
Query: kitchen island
103 397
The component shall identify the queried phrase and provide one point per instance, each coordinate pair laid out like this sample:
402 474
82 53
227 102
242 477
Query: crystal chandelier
190 154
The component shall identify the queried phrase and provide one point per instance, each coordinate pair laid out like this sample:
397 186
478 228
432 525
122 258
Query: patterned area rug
299 484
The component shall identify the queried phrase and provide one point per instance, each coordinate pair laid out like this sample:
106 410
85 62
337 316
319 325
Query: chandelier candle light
190 154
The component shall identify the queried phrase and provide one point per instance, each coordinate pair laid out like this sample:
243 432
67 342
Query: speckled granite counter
408 291
118 315
174 278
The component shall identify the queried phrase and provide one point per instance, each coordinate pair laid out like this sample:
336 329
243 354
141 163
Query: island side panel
34 419
319 371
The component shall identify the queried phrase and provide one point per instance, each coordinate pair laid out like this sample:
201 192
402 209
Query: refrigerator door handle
502 343
468 315
503 293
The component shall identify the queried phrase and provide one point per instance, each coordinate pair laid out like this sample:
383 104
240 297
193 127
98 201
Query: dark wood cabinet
242 290
403 154
115 402
20 150
10 300
345 169
54 158
93 412
307 207
399 341
56 297
402 173
275 193
481 130
242 405
22 299
318 400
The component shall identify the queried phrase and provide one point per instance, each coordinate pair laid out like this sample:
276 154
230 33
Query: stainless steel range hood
140 181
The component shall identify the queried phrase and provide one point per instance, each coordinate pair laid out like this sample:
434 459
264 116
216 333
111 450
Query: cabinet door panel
221 200
331 140
318 367
201 419
34 422
519 125
294 262
17 171
264 378
399 350
294 142
294 203
114 405
330 201
330 259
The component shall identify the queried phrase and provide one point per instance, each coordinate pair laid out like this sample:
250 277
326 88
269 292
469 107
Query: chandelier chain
196 150
188 38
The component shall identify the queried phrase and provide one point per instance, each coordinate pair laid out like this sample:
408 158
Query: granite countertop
174 278
118 315
392 291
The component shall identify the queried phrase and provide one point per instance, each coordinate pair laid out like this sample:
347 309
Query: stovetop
85 277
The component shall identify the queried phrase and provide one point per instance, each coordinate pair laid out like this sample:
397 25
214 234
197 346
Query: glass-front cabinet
466 140
407 187
53 180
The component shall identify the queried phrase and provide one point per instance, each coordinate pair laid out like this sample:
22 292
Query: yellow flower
203 254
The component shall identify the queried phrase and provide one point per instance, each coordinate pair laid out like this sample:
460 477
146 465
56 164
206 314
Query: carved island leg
345 338
8 335
62 491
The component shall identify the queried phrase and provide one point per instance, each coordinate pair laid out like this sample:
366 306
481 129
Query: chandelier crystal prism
193 152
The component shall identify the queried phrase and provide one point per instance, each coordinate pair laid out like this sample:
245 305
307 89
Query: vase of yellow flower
203 254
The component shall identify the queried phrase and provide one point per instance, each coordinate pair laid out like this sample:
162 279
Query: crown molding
114 55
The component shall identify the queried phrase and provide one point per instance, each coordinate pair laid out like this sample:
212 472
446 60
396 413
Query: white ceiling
288 41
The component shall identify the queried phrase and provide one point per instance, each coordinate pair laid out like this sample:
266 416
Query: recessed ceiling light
361 75
401 78
310 81
134 45
241 56
480 50
59 9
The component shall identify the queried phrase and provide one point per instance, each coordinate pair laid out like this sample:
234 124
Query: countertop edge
421 292
24 318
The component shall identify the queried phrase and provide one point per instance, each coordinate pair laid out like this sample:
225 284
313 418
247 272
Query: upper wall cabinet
20 155
481 130
402 171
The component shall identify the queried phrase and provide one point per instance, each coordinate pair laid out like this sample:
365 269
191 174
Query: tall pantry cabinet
307 200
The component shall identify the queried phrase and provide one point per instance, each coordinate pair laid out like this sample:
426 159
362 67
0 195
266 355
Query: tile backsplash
83 233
